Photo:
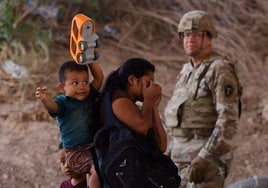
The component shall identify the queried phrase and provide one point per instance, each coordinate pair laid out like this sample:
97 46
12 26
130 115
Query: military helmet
197 20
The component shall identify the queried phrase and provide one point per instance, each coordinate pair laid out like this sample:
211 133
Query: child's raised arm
97 75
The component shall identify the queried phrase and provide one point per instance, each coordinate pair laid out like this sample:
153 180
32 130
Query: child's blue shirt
76 119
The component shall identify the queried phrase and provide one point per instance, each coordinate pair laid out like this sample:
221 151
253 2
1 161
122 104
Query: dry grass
149 29
145 28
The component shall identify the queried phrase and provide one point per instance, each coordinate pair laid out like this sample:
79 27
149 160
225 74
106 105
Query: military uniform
203 113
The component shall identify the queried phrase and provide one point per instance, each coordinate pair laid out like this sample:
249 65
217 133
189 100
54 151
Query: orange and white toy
83 40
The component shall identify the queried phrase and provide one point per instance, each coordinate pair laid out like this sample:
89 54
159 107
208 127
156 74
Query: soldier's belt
194 133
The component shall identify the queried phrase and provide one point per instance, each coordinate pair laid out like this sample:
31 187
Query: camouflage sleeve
224 87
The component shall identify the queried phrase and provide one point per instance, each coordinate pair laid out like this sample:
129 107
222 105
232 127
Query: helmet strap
201 47
202 41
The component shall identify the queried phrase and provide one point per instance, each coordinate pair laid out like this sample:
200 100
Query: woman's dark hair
70 66
119 79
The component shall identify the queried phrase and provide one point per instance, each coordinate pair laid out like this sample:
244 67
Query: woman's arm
140 121
128 113
159 131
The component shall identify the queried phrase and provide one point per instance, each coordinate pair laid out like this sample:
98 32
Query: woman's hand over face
152 92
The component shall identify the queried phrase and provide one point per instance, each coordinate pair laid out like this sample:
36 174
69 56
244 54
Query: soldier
203 112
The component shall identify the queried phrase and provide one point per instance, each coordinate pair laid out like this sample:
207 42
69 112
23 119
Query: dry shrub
146 28
149 29
8 86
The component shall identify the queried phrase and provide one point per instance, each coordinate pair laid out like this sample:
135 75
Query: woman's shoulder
118 93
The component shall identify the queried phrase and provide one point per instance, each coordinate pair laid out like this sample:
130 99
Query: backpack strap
109 117
101 138
107 135
96 163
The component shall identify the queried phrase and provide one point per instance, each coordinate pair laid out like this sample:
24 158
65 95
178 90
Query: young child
74 112
75 179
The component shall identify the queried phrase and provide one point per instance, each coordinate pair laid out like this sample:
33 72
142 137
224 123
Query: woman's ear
61 87
132 80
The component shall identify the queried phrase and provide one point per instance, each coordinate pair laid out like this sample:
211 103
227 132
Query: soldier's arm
226 100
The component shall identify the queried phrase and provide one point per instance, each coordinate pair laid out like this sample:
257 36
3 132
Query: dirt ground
29 138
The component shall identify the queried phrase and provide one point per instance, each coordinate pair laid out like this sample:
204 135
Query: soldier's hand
201 170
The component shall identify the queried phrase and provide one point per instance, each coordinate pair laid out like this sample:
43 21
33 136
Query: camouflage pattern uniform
202 115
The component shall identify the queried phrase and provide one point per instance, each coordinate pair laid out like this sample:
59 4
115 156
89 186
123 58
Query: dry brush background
29 138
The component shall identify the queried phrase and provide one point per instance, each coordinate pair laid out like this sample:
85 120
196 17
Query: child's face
76 85
64 167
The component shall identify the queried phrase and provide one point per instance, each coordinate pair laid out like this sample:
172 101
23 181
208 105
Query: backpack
125 160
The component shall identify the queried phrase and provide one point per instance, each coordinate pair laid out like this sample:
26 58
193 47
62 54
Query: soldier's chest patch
228 90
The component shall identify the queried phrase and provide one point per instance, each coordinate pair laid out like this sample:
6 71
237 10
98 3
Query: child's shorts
79 159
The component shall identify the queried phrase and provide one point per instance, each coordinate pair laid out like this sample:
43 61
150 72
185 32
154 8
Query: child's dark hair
70 66
134 66
60 146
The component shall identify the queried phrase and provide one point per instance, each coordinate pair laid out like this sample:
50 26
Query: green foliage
21 30
26 37
10 13
96 9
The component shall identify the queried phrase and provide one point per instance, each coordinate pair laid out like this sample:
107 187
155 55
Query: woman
133 140
132 82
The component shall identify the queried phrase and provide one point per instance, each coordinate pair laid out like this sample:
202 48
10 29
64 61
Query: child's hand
41 93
